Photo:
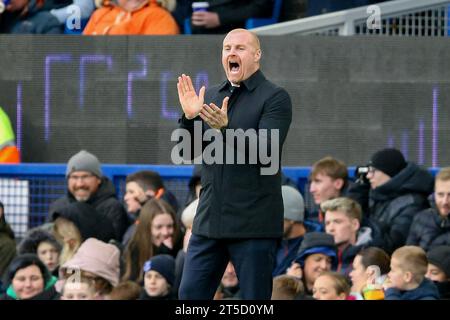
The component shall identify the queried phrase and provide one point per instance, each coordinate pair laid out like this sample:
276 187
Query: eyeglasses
83 177
372 170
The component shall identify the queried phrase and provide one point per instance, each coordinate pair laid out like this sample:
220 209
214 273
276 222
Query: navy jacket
429 229
427 290
236 200
286 253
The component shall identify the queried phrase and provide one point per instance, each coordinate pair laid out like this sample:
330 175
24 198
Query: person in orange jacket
9 153
133 17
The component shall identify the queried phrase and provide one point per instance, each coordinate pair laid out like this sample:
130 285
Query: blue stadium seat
250 22
259 22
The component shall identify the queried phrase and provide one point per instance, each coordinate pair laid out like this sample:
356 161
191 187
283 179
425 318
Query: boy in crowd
407 276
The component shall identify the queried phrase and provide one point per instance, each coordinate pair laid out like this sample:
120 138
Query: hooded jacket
97 257
104 201
149 18
427 290
394 204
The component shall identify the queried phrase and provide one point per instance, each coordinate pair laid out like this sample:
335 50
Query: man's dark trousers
206 260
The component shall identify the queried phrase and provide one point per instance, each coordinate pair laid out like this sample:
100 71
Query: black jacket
106 204
145 296
90 222
429 229
234 13
394 204
236 200
7 246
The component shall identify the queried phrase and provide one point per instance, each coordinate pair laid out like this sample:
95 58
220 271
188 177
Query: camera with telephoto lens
361 174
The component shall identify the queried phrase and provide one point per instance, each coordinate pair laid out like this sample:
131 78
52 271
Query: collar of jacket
251 83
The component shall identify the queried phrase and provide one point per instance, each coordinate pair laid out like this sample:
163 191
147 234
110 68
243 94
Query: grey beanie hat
294 206
84 161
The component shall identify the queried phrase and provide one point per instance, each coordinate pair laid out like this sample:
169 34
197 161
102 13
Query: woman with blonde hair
67 233
158 232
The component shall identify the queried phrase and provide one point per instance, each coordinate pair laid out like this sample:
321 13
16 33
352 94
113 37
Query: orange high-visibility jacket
10 154
149 19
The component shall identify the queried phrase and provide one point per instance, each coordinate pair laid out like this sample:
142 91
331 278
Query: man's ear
258 55
338 183
355 224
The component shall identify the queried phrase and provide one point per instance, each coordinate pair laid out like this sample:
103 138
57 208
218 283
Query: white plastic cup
200 6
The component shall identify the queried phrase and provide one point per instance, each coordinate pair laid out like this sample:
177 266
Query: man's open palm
190 102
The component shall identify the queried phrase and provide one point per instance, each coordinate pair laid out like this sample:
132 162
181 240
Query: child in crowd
439 269
95 260
45 246
287 287
406 280
78 289
331 286
159 275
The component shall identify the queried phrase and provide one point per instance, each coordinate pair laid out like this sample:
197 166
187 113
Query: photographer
392 193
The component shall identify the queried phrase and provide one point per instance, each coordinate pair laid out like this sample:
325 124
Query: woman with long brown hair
157 232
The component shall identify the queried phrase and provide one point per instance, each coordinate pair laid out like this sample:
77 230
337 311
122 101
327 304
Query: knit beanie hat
164 264
294 206
440 257
389 160
84 161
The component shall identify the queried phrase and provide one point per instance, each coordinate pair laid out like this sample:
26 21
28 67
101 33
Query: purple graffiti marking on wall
19 116
405 141
91 58
134 75
49 59
421 157
435 127
165 112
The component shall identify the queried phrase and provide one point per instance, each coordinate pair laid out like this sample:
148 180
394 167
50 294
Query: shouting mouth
234 66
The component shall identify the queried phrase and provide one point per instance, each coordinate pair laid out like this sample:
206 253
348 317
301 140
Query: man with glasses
398 190
85 183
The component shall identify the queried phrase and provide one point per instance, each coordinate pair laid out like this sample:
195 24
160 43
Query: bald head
254 40
241 54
